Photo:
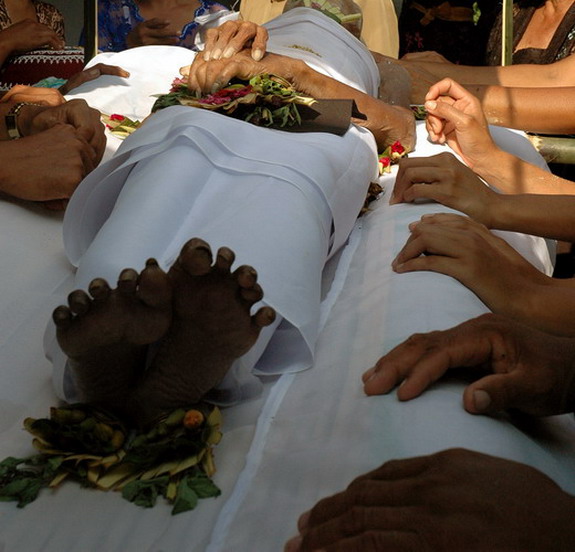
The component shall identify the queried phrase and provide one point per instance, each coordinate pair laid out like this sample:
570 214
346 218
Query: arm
544 110
423 73
388 123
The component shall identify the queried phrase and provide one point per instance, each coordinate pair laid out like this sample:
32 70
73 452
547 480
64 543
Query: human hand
461 248
34 94
84 119
91 74
153 32
47 165
207 77
231 37
446 180
28 35
452 500
455 117
526 369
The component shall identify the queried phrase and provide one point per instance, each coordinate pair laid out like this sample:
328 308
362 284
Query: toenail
151 262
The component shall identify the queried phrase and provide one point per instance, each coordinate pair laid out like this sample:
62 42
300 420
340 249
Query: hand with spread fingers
444 179
233 36
525 369
452 500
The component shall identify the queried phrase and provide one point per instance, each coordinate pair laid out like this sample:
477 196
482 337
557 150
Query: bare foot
106 337
211 327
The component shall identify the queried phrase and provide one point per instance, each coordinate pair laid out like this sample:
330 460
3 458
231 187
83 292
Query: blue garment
116 18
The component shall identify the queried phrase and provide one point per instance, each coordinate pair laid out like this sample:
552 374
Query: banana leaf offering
265 100
173 458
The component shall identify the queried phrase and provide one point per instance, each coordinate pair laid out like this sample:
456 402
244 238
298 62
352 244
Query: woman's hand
467 251
91 74
525 369
34 94
455 117
231 37
154 31
444 179
28 35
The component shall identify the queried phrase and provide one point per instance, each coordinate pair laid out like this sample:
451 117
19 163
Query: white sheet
307 436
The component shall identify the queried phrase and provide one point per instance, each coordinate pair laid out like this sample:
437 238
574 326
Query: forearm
549 307
545 110
511 175
541 215
381 117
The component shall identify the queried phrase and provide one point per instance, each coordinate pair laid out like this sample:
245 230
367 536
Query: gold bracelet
11 119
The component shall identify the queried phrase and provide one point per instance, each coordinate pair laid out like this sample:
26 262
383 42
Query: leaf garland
265 100
173 459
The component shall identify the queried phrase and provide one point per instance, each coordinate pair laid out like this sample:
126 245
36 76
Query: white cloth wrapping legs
283 202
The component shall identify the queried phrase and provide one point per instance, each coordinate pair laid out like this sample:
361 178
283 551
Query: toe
99 289
196 257
246 276
224 259
154 288
79 302
128 281
62 317
252 295
264 317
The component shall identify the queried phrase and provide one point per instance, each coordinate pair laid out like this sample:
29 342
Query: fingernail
258 54
430 104
229 52
216 54
303 521
293 545
215 87
368 375
206 55
481 399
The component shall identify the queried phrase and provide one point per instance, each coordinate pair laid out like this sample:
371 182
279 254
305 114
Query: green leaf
145 493
24 490
186 498
203 486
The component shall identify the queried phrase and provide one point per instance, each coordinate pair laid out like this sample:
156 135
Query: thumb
494 393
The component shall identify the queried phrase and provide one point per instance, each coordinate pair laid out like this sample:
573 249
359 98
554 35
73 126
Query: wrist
25 117
489 165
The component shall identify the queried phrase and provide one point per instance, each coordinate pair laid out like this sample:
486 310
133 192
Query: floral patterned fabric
116 18
562 44
46 14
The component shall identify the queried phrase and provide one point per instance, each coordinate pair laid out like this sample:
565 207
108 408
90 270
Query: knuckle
354 521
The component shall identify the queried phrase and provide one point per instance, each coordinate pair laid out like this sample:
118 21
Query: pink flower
116 117
177 83
385 162
226 95
396 147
